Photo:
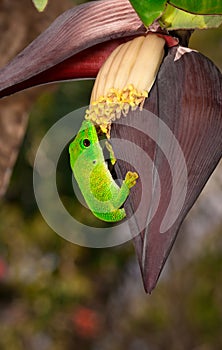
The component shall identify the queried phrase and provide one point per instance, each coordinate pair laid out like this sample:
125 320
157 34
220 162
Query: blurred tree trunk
20 23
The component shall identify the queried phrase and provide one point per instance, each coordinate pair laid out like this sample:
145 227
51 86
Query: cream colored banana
148 60
101 79
127 62
125 79
116 67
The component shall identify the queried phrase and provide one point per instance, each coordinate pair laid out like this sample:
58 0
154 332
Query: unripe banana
148 60
125 79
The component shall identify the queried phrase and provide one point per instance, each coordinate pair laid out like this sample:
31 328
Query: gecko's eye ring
86 142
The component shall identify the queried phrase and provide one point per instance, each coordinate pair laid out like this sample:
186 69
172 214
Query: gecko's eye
86 143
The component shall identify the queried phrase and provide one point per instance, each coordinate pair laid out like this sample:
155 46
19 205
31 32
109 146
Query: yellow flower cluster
115 104
125 80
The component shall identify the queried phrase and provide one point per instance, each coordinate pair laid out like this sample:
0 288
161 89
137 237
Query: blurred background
55 295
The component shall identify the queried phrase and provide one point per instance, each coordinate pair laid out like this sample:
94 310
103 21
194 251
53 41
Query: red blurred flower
3 269
87 322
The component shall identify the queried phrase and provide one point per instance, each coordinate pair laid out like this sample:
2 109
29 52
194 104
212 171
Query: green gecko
101 193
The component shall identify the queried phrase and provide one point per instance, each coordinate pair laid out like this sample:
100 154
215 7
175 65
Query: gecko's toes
130 179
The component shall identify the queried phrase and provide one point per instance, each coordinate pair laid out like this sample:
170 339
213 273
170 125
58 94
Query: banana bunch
125 80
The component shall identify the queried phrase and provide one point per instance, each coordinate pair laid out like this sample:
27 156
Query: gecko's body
103 196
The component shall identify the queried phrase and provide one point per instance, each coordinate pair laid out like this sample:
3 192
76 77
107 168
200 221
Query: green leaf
180 13
174 18
149 10
204 7
40 4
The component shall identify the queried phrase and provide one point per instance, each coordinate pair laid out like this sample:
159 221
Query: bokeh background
55 295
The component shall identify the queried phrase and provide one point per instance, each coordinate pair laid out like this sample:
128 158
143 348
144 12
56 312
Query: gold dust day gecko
101 193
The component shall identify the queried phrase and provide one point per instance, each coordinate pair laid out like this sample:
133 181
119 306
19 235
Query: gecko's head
84 140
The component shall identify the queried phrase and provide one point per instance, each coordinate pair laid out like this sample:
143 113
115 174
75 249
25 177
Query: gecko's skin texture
102 195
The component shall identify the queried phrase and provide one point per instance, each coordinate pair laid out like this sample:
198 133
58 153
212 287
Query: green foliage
180 14
149 10
174 18
40 4
201 7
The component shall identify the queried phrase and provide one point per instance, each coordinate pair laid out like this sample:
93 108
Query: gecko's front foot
130 179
